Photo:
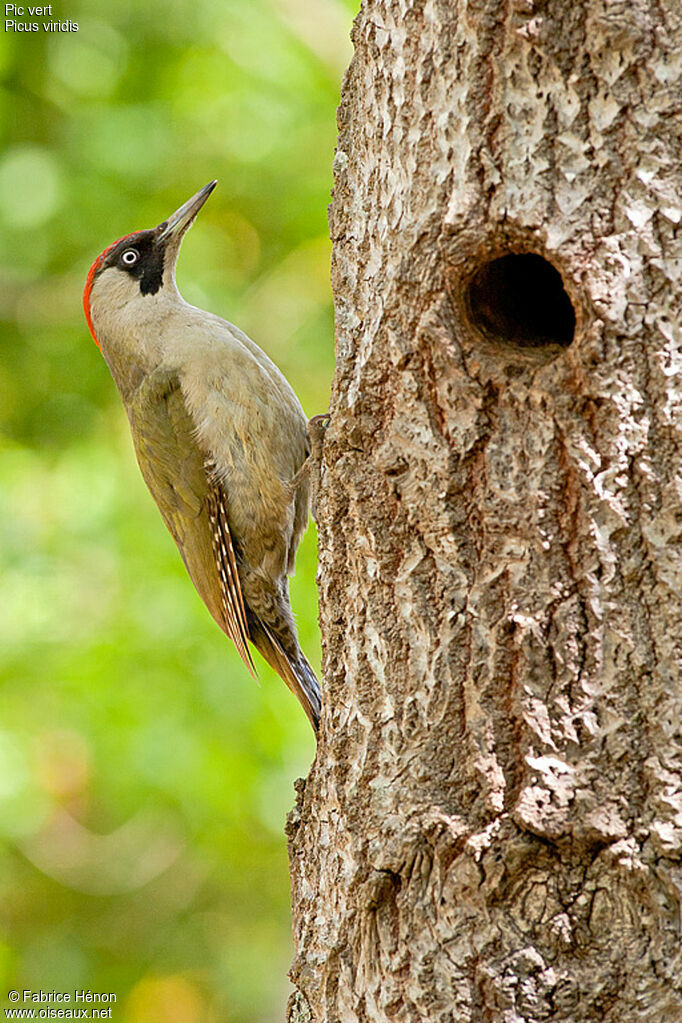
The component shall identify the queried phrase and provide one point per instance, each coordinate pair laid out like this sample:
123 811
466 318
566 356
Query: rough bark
492 829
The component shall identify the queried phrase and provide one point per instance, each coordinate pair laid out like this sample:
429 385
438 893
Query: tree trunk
492 830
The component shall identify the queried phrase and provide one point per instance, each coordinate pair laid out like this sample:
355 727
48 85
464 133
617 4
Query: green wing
190 498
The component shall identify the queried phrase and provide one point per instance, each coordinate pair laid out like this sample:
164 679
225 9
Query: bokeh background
144 779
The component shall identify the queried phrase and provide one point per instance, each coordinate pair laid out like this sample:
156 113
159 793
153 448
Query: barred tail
296 673
311 687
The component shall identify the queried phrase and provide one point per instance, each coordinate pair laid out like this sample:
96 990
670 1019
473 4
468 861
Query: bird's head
137 272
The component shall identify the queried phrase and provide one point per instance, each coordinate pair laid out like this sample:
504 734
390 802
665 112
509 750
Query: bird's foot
317 427
312 466
316 431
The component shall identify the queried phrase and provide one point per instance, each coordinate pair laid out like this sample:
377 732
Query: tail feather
297 674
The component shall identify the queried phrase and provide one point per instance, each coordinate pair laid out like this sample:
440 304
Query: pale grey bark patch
492 830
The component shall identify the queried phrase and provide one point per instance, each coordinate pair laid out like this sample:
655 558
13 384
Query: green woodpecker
220 438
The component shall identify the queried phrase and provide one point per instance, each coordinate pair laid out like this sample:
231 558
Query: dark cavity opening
520 300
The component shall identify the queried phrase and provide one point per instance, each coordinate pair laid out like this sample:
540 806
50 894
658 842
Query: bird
221 441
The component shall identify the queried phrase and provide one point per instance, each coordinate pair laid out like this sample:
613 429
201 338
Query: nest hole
520 300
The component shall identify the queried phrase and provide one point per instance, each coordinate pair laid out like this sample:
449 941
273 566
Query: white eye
130 257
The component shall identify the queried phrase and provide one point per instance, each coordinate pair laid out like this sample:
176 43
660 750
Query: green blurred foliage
144 779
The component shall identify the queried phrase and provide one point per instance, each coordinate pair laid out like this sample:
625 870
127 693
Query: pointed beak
183 218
